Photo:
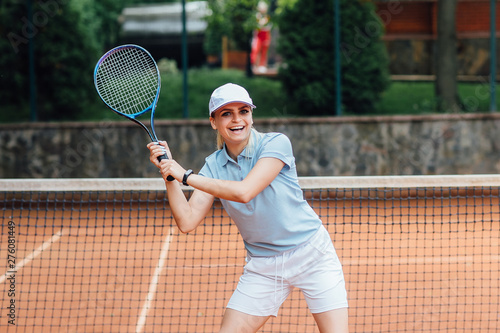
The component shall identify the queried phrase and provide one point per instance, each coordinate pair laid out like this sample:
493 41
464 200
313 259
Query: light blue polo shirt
278 219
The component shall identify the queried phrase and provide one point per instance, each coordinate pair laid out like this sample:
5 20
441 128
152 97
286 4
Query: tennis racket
128 81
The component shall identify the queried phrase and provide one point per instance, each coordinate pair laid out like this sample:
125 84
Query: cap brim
223 105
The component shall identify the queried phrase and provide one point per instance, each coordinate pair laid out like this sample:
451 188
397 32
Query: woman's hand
168 167
156 150
171 168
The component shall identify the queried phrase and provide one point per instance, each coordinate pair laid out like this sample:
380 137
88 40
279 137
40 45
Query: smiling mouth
238 128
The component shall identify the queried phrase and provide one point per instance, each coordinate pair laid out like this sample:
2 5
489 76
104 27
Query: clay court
115 262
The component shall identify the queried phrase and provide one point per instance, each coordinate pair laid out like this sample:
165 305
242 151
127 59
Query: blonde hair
220 141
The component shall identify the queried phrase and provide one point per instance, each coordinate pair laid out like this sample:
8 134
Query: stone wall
343 146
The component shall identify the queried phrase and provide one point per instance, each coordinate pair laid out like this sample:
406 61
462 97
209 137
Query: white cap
228 93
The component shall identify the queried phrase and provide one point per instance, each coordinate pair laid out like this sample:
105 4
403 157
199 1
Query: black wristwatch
186 175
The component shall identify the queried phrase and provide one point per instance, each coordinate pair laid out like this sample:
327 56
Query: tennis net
420 254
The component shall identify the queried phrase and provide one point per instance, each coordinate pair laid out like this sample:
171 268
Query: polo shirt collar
226 158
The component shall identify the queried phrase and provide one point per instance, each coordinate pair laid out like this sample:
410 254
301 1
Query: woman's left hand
171 168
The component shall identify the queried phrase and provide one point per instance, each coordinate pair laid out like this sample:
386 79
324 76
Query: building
411 30
410 33
158 28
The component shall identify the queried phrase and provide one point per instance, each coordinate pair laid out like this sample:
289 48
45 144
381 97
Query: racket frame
151 107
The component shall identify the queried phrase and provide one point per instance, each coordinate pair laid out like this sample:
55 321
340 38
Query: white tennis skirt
313 267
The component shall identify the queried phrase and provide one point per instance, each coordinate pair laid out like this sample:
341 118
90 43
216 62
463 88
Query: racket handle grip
165 157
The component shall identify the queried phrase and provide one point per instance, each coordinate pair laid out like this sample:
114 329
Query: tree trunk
446 58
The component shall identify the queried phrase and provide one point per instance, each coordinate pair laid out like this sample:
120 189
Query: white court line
33 254
154 282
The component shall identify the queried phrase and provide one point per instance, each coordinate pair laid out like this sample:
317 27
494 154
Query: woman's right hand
157 149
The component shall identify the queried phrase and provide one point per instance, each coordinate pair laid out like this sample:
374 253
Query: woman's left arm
261 175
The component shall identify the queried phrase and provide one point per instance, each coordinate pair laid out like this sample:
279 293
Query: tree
234 19
69 37
65 53
216 28
13 75
306 44
446 58
240 15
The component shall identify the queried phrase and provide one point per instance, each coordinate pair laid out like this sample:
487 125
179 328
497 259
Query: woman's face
234 122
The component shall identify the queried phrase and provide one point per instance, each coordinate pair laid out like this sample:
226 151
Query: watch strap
185 177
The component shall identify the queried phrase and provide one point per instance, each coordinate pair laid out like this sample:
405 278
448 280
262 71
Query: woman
254 176
261 39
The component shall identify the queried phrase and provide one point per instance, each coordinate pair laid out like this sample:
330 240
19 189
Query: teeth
236 128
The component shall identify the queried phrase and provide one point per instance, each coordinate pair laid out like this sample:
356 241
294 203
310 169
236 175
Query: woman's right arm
188 214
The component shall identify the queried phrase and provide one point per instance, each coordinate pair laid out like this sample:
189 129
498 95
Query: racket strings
138 86
127 80
143 85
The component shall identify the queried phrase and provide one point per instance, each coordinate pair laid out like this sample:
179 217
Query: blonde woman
255 177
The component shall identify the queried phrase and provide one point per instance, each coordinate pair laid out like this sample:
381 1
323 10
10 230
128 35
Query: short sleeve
205 171
210 166
278 146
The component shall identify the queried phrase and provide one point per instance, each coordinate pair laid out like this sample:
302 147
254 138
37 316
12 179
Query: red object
260 46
